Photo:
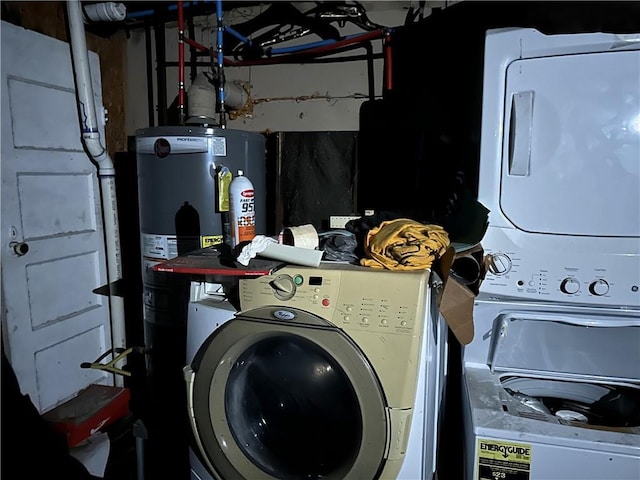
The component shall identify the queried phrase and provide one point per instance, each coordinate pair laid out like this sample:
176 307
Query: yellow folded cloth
404 244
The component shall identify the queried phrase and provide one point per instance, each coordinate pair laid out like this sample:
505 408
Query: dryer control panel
349 296
587 273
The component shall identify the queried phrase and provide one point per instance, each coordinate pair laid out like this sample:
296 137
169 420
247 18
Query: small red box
94 408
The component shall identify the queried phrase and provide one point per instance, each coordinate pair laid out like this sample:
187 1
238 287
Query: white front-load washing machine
335 372
209 308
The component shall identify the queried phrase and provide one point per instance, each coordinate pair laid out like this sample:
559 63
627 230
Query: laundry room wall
309 111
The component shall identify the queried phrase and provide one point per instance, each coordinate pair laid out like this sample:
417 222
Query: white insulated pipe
105 12
106 171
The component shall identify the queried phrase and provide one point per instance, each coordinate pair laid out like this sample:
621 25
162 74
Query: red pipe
196 45
388 70
181 62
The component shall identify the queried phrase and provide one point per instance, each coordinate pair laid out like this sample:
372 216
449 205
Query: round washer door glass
292 409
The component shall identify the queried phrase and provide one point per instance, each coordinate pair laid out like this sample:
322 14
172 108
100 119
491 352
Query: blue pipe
148 13
238 35
322 43
141 13
221 79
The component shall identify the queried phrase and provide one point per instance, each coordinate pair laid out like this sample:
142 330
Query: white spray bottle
242 209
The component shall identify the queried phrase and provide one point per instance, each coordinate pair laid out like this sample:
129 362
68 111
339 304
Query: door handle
19 248
520 133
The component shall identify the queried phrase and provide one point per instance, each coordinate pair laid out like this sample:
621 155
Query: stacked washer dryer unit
334 372
551 381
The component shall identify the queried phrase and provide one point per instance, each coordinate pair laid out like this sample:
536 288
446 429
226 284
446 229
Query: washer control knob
599 287
570 285
283 286
499 264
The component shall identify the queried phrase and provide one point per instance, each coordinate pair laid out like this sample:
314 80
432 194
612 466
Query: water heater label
172 144
219 146
162 247
503 460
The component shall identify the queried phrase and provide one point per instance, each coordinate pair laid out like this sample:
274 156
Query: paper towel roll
303 236
288 253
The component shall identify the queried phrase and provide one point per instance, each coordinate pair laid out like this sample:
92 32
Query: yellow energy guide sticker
503 460
210 240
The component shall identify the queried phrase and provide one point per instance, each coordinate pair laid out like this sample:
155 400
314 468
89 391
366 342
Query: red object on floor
93 409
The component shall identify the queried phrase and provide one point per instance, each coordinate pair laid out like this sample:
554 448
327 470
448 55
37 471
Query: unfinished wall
284 97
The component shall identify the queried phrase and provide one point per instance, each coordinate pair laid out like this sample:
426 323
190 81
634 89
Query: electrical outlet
339 221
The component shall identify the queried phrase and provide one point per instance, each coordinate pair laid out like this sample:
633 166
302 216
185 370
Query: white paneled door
53 250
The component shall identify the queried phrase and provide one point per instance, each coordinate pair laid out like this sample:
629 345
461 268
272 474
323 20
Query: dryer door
282 393
572 143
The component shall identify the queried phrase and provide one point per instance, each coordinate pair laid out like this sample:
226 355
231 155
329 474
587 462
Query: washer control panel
349 296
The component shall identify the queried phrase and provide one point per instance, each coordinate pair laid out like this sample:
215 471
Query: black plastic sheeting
317 172
419 145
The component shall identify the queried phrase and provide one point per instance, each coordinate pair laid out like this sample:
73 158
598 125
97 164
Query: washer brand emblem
162 147
284 314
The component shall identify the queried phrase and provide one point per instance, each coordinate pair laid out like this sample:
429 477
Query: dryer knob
570 286
500 264
599 288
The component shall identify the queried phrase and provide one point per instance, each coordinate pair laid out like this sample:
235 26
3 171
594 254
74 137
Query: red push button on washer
326 302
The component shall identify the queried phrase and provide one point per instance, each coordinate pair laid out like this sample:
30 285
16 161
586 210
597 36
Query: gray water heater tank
177 196
179 212
177 168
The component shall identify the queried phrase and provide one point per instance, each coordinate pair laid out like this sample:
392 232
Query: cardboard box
455 299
